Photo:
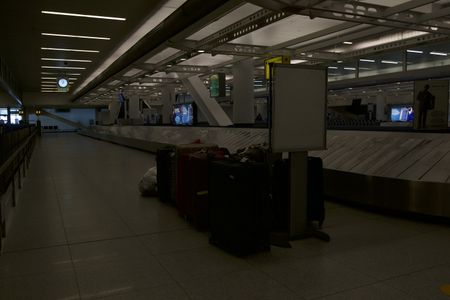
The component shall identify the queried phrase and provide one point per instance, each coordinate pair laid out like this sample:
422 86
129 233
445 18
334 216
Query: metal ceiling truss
378 15
8 82
251 23
429 38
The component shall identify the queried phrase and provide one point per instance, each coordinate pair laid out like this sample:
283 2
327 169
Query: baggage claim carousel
398 171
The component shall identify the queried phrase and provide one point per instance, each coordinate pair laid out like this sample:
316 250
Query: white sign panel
299 104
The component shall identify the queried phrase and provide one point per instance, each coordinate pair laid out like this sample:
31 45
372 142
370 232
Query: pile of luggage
239 198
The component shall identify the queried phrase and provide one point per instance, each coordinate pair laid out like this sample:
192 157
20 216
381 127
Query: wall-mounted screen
184 114
217 85
402 114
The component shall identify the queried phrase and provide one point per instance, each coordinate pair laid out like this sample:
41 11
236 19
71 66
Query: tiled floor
81 230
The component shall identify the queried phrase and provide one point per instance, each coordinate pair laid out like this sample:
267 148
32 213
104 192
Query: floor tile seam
181 250
355 288
412 272
159 262
77 282
135 290
33 249
375 280
37 273
281 283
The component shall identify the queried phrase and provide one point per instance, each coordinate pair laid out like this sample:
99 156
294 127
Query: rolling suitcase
316 201
182 186
165 176
280 202
197 206
239 206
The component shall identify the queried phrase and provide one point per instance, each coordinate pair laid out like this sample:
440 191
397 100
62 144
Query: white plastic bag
147 185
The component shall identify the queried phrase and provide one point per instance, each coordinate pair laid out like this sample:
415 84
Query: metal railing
16 146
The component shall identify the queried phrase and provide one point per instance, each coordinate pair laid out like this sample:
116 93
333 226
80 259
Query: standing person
426 102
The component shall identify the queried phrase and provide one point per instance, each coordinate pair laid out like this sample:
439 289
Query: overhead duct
189 13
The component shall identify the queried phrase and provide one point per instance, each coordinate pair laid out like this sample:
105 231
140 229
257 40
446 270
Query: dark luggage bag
182 185
280 196
316 199
165 162
197 202
239 206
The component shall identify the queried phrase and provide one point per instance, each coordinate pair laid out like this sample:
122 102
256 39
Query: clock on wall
63 83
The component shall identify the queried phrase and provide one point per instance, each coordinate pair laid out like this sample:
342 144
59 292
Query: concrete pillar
381 108
133 107
212 111
243 93
8 120
167 99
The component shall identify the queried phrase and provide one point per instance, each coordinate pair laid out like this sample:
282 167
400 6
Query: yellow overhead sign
275 60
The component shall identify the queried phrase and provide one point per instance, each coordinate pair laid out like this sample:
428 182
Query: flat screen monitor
217 85
402 113
184 114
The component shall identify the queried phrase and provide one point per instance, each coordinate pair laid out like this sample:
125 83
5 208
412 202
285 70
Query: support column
212 111
381 108
133 107
243 93
167 99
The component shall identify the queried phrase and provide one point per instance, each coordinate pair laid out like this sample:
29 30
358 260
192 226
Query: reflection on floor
81 230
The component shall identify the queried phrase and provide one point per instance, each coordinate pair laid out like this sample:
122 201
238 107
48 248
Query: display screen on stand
402 114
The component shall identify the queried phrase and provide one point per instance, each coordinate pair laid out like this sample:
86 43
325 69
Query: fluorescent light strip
149 24
367 60
67 68
438 53
389 62
414 51
58 13
350 69
52 73
76 36
333 68
348 43
70 50
67 59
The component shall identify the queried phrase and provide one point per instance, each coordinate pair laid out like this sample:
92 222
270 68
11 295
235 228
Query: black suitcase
280 202
316 202
239 206
165 176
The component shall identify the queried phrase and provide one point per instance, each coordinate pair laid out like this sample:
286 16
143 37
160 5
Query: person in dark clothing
426 102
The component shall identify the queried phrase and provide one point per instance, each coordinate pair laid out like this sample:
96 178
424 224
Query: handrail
12 158
12 165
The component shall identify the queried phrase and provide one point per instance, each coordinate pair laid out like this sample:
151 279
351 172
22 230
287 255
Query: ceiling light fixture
70 50
334 68
67 68
414 51
350 69
438 53
67 59
347 43
367 60
389 62
201 51
58 13
76 36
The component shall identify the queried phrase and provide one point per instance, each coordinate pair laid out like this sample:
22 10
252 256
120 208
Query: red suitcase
182 186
